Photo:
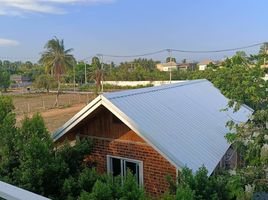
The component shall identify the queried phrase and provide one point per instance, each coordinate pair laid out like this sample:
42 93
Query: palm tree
97 73
56 60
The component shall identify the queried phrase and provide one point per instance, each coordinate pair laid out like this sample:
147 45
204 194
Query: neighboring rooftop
205 62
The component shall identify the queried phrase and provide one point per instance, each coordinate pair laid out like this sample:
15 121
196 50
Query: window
118 166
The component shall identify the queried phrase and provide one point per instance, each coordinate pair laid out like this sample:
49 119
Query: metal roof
182 121
11 192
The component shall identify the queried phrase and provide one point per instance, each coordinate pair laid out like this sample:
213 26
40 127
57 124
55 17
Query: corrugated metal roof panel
182 120
12 192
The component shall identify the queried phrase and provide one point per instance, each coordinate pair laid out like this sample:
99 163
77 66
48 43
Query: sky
130 27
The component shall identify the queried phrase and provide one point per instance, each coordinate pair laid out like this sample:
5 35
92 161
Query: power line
87 58
18 58
152 53
133 56
217 51
182 51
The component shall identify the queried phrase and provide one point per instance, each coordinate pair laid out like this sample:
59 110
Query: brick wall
112 137
155 166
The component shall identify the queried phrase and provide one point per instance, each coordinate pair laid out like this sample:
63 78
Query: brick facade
111 137
155 166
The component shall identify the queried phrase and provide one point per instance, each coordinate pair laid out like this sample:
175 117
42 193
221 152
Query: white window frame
123 161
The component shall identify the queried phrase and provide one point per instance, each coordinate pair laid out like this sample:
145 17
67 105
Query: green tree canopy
56 60
4 79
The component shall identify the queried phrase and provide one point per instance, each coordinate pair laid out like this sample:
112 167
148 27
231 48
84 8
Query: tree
4 79
198 185
45 81
56 59
263 48
8 135
184 61
168 59
108 187
240 58
96 73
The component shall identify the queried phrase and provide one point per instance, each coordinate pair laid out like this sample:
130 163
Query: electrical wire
180 50
161 51
87 58
133 56
217 51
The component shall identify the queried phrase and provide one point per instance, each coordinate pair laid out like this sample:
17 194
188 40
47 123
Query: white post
85 72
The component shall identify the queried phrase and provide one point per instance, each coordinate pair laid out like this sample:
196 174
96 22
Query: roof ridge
162 87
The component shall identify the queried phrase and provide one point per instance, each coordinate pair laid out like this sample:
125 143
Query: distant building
167 66
186 66
203 64
19 80
175 66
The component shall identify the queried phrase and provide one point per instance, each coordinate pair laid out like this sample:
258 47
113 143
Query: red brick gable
112 137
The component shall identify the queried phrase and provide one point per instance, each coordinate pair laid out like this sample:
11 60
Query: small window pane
116 166
134 169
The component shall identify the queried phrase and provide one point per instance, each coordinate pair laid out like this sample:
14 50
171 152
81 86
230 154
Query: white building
203 64
167 66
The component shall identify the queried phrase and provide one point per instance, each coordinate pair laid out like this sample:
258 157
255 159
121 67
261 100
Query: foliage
8 135
200 186
29 159
263 48
172 59
56 60
45 81
114 189
4 79
109 87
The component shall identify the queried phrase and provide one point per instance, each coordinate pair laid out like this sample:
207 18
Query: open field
54 118
28 103
70 104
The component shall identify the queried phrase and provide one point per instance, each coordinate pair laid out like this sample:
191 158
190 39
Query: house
203 64
156 131
19 81
166 67
186 66
19 78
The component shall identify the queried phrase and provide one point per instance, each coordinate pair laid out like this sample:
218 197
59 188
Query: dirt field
70 104
54 118
28 103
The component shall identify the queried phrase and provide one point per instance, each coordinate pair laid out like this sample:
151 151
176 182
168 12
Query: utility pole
74 74
85 72
101 57
170 59
265 53
102 73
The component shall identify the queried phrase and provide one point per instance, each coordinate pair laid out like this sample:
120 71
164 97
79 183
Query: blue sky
126 27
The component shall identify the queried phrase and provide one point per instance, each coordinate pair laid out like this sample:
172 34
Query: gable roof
205 62
182 121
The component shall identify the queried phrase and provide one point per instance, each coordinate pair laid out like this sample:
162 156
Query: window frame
123 161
